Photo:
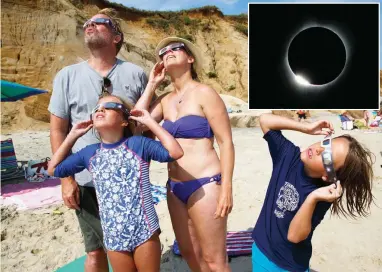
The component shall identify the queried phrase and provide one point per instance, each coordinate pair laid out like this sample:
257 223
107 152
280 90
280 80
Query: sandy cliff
40 37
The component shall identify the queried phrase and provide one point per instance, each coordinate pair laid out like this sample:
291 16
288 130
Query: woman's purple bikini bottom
184 189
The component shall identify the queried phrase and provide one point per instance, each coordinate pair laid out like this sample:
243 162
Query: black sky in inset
318 54
272 28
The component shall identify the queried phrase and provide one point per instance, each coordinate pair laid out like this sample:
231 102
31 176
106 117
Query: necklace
181 98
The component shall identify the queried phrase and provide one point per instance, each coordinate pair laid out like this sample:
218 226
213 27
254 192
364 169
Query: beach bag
37 170
239 243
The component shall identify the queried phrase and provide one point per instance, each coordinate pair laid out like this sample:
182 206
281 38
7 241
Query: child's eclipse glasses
327 159
98 21
111 106
172 47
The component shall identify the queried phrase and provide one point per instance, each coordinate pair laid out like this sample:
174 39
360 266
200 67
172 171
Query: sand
41 241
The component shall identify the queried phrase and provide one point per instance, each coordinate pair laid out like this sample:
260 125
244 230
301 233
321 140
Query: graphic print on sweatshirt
287 200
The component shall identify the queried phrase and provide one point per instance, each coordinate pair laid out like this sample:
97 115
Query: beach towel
10 167
158 193
27 195
239 243
76 266
37 170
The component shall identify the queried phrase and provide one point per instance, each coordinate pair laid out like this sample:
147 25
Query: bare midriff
199 160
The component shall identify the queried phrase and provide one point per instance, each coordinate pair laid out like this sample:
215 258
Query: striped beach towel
239 243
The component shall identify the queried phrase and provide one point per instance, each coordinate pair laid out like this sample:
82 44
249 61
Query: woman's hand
157 74
80 129
141 116
328 193
320 128
225 203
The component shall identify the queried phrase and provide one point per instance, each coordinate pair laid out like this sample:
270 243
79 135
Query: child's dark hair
356 177
128 130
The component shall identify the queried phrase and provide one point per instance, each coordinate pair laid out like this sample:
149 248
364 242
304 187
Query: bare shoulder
204 88
204 91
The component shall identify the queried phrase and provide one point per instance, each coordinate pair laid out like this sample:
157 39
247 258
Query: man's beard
95 42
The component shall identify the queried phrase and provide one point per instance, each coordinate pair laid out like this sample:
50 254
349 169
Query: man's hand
70 193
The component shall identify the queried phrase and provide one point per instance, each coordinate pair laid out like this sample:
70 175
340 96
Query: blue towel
158 193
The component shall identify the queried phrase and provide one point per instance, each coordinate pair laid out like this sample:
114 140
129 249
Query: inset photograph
313 56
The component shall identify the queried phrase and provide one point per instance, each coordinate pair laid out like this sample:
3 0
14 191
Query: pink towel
25 187
32 195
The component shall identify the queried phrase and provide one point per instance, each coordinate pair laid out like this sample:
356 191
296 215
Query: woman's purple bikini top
189 126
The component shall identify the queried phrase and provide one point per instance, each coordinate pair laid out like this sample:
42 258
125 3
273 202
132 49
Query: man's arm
59 129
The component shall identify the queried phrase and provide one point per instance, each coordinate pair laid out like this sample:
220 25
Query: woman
366 116
199 188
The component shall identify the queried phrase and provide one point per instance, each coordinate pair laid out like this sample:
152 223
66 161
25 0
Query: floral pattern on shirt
117 176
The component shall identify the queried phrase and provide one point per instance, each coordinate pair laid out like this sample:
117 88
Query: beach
40 240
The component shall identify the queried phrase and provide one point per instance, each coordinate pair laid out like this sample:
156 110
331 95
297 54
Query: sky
228 7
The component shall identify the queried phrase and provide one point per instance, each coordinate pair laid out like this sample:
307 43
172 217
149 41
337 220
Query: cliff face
39 37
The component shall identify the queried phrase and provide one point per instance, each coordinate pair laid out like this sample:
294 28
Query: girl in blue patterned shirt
120 169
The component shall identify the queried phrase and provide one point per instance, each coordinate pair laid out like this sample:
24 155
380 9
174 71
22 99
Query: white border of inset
342 37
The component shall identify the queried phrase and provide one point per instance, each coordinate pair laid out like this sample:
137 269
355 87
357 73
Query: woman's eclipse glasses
172 47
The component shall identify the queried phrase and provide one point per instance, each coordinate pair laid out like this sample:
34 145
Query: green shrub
242 28
158 23
176 23
187 37
212 74
78 4
187 20
241 18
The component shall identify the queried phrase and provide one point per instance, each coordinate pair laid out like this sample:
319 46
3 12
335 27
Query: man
301 115
76 90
